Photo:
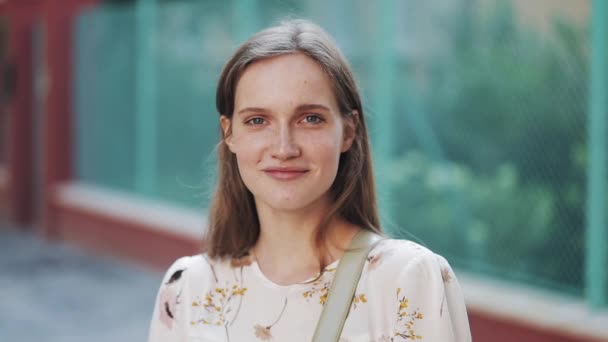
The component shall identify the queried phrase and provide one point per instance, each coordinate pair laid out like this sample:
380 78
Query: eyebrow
302 107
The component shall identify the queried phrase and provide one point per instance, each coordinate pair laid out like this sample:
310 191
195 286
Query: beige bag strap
343 288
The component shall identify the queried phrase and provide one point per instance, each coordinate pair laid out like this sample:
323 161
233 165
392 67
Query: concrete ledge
156 214
122 224
543 313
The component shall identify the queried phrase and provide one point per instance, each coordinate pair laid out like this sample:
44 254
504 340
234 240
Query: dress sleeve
430 302
168 319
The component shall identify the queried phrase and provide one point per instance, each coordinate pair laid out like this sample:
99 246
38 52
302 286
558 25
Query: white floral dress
406 292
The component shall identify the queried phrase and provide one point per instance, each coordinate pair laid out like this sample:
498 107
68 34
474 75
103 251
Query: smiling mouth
285 175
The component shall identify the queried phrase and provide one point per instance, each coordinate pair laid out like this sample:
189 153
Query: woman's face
287 133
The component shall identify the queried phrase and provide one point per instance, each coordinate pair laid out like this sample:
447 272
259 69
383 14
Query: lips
287 173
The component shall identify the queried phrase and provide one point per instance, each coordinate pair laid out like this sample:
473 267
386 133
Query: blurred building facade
479 117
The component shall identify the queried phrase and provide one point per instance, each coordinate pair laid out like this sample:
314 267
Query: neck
286 251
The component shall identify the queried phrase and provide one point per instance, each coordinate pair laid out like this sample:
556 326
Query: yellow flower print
318 288
322 290
323 298
217 304
359 299
239 291
407 318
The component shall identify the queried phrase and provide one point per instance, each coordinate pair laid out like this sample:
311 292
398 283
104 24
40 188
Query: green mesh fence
478 113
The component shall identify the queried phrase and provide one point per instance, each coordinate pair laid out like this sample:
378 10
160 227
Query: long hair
233 222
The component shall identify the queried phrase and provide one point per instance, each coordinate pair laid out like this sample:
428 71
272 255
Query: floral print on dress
375 258
167 302
358 299
262 332
169 299
446 276
407 319
320 287
222 300
381 252
217 304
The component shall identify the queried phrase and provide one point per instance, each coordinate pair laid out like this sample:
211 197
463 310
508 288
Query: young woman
295 185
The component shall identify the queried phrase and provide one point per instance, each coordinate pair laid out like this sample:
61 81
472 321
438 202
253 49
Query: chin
289 203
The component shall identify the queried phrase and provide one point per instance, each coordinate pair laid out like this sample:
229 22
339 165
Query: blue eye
255 121
313 119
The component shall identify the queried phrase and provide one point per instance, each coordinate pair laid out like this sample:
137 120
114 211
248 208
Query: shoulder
194 269
418 289
393 259
183 281
396 254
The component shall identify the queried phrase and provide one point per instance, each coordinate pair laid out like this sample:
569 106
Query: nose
284 146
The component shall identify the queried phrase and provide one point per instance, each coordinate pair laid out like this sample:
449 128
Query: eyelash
250 121
318 117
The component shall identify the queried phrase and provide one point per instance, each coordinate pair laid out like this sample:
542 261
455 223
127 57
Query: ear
225 124
350 129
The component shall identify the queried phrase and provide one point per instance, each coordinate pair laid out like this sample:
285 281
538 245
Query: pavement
54 292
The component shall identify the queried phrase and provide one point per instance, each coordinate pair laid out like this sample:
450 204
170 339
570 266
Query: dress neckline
255 267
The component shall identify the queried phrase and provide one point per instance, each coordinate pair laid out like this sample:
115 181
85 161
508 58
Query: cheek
249 150
248 147
325 148
248 156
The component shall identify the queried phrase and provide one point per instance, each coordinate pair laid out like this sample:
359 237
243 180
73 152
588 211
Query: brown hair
233 221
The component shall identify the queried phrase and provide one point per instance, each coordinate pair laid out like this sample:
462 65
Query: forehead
290 79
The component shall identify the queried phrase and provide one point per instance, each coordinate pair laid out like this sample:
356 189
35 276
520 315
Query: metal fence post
146 114
596 261
382 96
